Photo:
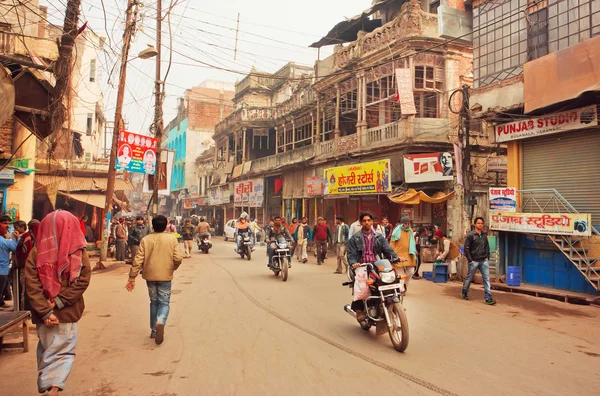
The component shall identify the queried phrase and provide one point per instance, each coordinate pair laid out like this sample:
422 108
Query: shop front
7 179
219 201
273 205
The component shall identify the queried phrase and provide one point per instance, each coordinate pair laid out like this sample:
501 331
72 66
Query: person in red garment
322 236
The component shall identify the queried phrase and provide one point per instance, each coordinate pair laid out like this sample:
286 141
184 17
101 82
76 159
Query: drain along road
235 329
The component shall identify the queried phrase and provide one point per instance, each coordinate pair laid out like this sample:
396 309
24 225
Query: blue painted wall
178 142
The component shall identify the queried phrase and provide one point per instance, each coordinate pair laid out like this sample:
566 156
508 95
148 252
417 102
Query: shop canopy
414 197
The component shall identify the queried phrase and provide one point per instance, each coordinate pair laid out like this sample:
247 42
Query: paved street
236 329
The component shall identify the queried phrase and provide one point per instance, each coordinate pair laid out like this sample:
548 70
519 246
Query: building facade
535 86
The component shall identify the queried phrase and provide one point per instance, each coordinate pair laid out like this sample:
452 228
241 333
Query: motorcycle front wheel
399 330
284 270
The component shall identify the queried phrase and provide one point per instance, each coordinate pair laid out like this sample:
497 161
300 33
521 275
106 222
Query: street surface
236 329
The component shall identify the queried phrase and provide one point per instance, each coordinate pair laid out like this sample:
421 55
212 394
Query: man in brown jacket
121 243
160 256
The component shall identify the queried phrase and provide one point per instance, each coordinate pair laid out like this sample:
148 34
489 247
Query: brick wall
456 4
206 114
6 133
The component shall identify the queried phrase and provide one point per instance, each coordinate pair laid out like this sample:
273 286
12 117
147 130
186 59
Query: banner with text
569 120
314 186
423 168
136 153
503 199
543 223
249 193
219 196
370 177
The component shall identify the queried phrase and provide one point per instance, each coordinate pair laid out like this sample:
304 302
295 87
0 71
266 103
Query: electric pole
158 109
130 22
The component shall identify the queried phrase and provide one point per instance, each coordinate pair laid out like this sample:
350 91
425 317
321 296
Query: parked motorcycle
246 247
204 244
383 308
282 259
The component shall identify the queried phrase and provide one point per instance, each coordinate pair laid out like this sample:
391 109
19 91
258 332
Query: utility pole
130 22
158 109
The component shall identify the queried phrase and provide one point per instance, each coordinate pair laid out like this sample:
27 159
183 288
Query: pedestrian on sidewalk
160 256
24 248
292 229
387 228
354 228
477 252
447 252
187 234
302 236
138 232
6 247
322 236
403 243
57 273
341 244
121 244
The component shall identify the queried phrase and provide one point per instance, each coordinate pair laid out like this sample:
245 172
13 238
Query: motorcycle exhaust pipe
349 311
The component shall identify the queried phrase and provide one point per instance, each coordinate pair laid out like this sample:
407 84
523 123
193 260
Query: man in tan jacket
160 256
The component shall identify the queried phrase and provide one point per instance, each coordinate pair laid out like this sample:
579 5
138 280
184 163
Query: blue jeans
240 241
160 296
484 268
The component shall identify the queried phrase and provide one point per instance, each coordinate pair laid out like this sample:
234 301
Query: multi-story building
382 96
191 133
536 68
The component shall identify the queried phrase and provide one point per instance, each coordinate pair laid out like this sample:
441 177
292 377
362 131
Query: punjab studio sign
569 120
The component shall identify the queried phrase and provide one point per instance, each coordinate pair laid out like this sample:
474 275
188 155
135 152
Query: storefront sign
497 164
314 186
136 153
503 199
193 203
543 223
249 193
370 177
569 120
405 91
7 174
422 168
219 196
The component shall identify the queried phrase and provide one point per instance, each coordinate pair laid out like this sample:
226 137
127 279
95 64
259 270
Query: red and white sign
314 186
569 120
422 168
405 91
249 193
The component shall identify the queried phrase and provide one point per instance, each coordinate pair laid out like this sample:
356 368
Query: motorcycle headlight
283 245
388 277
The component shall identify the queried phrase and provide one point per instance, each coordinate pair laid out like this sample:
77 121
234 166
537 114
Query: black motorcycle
246 246
383 308
282 258
204 244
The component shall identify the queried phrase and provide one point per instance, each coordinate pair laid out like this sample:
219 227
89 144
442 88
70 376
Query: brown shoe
160 334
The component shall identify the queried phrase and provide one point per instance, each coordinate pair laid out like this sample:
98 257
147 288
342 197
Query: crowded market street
235 329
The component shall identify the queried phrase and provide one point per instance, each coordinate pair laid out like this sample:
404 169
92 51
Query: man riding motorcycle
242 229
364 247
203 229
273 233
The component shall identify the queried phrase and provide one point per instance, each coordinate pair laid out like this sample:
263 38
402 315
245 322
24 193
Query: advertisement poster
542 223
136 153
497 164
370 177
406 96
569 120
219 196
503 199
423 168
249 193
314 186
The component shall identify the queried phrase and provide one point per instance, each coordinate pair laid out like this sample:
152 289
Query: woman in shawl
403 243
57 273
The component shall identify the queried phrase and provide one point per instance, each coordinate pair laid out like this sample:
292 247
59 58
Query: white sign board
503 199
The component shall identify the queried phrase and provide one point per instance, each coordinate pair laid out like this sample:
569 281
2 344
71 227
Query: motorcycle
204 244
246 247
282 258
383 308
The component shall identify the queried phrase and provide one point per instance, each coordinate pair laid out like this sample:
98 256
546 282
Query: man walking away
160 256
138 232
448 252
477 251
121 234
341 244
302 236
57 273
322 236
187 234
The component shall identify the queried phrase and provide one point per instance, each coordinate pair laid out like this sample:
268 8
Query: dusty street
234 328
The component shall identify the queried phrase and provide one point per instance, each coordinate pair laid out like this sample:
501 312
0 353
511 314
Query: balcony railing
246 114
14 44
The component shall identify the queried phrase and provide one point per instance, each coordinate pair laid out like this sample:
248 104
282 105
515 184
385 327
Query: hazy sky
271 34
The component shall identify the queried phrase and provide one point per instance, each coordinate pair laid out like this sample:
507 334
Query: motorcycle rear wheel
284 270
248 253
398 333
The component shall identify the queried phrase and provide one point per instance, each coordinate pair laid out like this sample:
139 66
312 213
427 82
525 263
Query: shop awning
71 184
414 197
97 200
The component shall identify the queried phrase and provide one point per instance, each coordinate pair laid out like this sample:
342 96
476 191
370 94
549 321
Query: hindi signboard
503 199
569 120
542 223
497 164
314 186
219 196
136 153
405 91
249 193
423 168
369 177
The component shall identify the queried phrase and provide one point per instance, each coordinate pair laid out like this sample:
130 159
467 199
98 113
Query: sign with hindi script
503 199
368 177
542 223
